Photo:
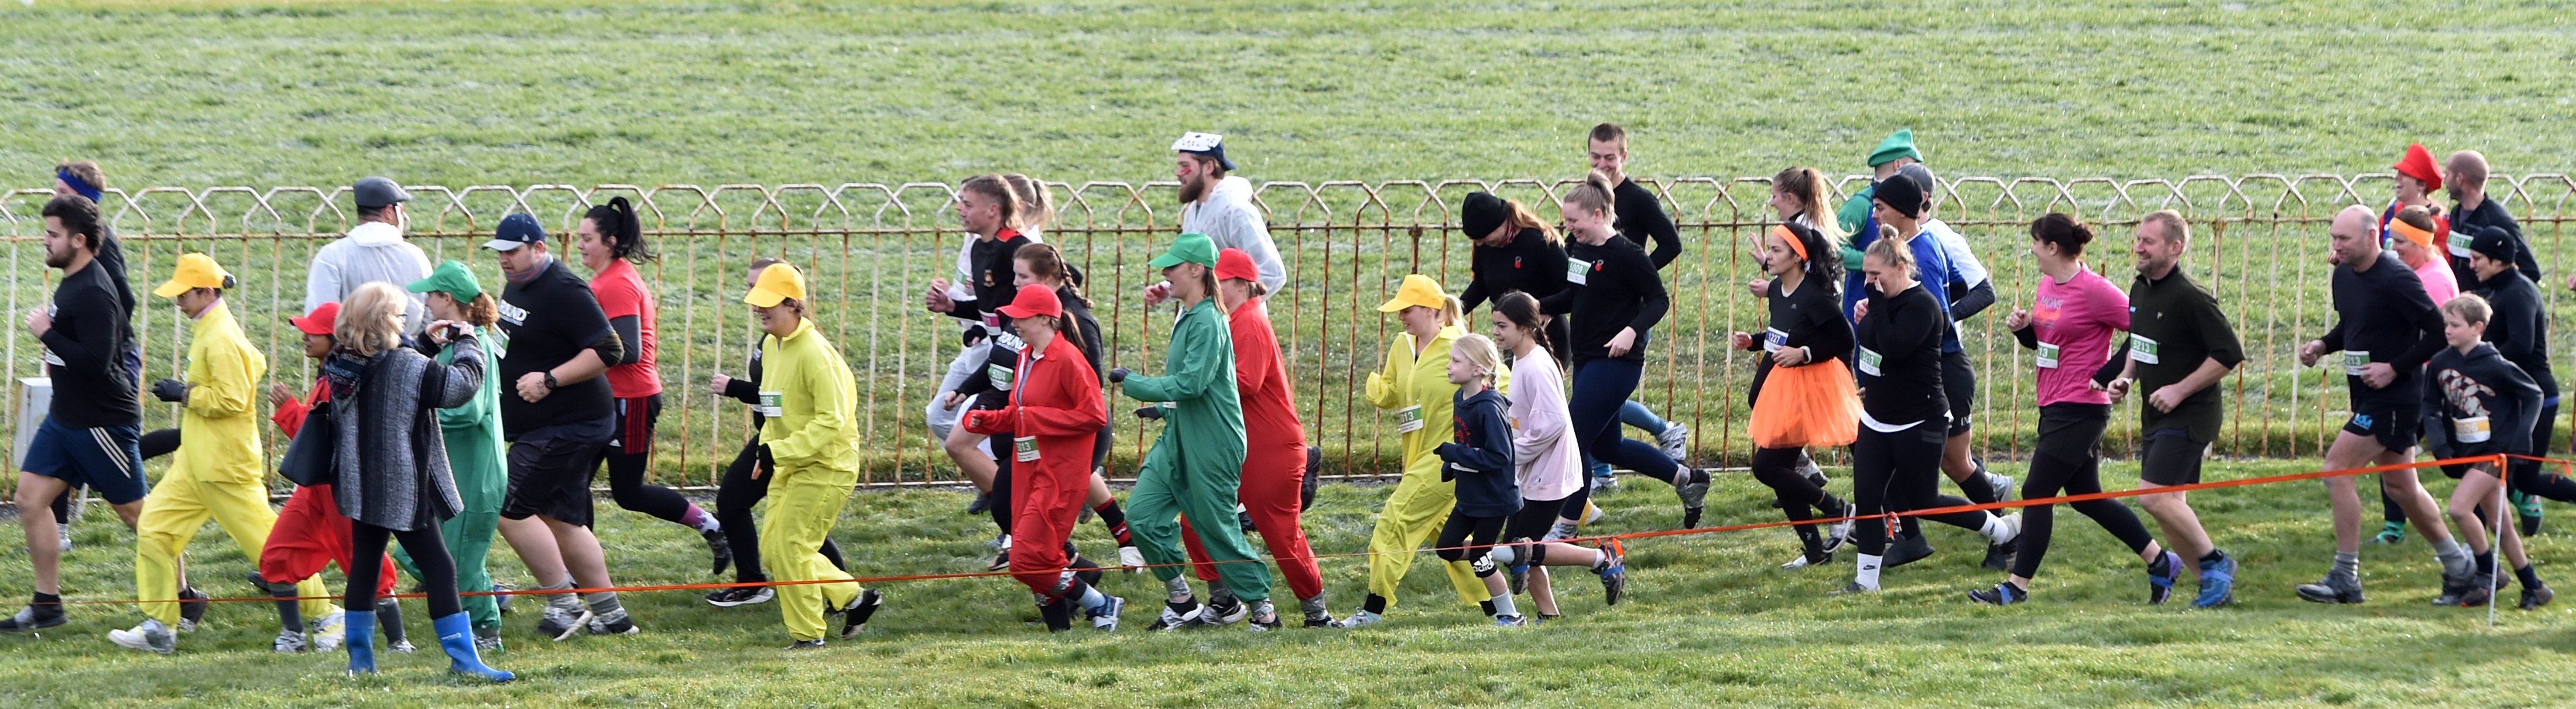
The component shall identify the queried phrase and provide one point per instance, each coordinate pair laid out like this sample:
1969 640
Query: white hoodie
372 252
1227 216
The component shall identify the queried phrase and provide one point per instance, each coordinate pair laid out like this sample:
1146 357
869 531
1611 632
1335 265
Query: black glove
1119 375
1151 413
170 390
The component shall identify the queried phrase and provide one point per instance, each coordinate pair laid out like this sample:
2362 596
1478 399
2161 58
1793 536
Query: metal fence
872 249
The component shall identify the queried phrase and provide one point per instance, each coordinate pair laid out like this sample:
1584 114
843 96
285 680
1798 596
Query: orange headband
1795 244
2422 238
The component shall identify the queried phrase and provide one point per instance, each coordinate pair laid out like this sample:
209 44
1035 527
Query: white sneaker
1131 559
1591 513
150 636
1674 441
1360 619
328 632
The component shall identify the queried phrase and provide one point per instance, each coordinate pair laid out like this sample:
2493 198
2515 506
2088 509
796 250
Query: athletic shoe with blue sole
2217 583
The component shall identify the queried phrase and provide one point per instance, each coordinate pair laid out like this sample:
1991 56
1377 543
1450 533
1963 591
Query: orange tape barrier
2498 459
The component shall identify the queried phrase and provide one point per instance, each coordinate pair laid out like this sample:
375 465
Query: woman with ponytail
1615 299
611 239
1550 468
1802 393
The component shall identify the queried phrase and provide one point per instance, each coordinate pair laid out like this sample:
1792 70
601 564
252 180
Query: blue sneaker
2003 594
2217 583
2160 586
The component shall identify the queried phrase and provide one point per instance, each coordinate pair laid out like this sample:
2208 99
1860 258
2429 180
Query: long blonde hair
1808 185
1481 352
371 319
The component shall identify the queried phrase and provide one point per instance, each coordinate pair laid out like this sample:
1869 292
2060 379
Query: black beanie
1902 194
2497 247
1482 214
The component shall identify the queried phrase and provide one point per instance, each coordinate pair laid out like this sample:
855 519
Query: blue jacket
1480 457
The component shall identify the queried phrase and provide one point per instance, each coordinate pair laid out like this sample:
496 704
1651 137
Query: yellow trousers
1421 503
801 514
178 506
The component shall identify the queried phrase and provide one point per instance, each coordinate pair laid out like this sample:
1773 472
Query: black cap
375 192
1482 214
1903 194
516 230
2496 246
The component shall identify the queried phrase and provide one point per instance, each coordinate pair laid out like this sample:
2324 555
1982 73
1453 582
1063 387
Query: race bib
1577 271
769 404
2353 362
1773 338
2471 430
2048 355
2142 350
2459 245
1869 361
512 314
1408 419
53 359
1000 375
1024 449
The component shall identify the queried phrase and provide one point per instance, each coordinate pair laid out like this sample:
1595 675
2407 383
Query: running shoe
2332 589
561 623
288 641
1255 623
2527 507
1175 620
1131 559
1224 611
192 608
151 635
1317 615
2481 592
1999 555
983 503
1805 559
2003 594
718 549
1561 530
1614 573
1591 513
1360 619
814 644
2160 586
855 619
1836 535
1693 493
1906 550
1519 577
999 541
1001 561
2217 583
2455 587
2003 486
487 641
1105 618
2390 533
29 618
616 622
740 596
328 631
1853 589
1674 442
501 596
2533 597
1514 621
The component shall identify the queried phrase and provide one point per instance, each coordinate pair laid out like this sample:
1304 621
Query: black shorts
550 472
2072 432
2169 456
2393 426
1535 520
1959 381
636 417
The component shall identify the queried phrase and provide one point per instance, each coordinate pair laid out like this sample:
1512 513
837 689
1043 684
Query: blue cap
515 231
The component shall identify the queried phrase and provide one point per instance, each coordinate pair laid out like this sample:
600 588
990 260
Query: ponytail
619 227
1522 310
997 188
1451 312
1594 196
483 311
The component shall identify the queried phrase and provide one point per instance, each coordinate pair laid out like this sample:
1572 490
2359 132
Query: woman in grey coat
391 462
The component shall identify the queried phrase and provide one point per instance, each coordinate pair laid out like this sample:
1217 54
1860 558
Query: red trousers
1048 502
310 532
1270 490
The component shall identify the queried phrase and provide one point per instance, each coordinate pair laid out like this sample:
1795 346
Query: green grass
1709 621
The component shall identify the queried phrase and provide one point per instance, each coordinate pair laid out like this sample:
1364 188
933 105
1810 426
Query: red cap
1034 299
1235 264
2418 164
317 322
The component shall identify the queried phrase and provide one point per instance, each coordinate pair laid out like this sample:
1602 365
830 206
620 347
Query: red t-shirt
621 294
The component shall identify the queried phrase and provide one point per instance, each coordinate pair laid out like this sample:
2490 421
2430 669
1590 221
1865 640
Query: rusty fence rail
872 248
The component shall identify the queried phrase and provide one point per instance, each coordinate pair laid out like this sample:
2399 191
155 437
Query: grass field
1709 621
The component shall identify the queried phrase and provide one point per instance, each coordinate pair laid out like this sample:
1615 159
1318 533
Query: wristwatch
550 382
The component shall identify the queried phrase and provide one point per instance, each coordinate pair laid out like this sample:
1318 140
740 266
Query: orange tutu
1807 406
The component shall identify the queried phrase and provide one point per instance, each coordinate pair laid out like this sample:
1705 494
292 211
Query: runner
1551 467
83 177
1615 299
310 531
2520 331
746 480
1478 460
391 473
2069 324
1798 196
2415 232
1274 461
1969 292
2387 329
988 208
1812 400
1042 264
2179 346
1640 218
2416 179
1514 251
611 241
472 436
1054 418
1412 384
810 403
2485 405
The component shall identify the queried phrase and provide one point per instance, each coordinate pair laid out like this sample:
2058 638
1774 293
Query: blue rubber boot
361 643
456 636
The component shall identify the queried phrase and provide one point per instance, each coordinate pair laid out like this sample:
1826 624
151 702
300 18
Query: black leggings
1470 539
1799 497
428 556
734 499
2069 458
1895 472
627 460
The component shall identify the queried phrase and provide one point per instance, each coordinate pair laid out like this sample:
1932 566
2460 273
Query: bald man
2464 175
2386 328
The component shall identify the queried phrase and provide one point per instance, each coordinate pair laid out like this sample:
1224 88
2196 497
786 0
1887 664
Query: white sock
1091 598
1999 529
1866 574
1503 606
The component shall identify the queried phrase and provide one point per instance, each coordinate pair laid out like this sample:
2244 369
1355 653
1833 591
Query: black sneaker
31 618
2533 597
2332 589
856 619
1325 620
1905 550
615 623
717 548
1001 561
983 503
2003 594
740 596
1224 611
1999 557
2480 593
192 608
2455 589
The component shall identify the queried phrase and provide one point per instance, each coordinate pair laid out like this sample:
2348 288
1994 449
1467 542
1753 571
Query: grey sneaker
1360 619
1694 494
151 636
1226 614
29 618
561 623
2334 588
614 623
487 641
288 641
327 632
1674 442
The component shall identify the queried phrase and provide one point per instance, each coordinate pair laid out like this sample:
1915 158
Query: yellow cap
778 282
195 271
1419 290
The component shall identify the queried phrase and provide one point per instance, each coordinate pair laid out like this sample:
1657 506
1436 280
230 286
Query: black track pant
428 555
2069 459
1895 472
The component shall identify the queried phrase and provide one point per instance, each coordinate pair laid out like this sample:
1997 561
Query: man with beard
1220 206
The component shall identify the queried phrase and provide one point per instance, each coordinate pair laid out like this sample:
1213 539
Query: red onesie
1052 421
310 530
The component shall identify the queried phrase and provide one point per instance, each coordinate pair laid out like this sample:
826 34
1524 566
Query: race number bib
2459 245
1024 449
1408 419
1869 361
769 405
2471 430
2142 350
2354 362
1577 270
1773 338
1000 375
2048 355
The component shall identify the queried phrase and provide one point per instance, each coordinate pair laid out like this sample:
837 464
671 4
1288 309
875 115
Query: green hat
450 278
1899 144
1192 247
